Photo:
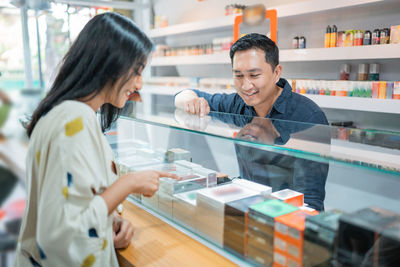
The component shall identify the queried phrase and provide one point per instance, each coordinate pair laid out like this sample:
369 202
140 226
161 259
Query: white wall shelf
304 7
389 51
172 90
211 24
219 58
357 103
336 102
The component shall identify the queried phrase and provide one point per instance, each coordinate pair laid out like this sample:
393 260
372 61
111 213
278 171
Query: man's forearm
183 97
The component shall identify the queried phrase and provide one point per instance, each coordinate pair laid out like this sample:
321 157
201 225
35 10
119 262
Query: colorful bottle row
368 89
333 38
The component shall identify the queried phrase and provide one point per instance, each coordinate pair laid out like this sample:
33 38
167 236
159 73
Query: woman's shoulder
69 114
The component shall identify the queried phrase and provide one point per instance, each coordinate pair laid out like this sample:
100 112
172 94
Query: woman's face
119 96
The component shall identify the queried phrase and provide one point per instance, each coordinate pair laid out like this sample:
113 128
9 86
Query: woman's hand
146 182
122 232
143 182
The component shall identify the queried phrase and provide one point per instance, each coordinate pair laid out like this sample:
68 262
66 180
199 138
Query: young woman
72 184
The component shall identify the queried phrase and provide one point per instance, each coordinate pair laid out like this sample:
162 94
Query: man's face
255 81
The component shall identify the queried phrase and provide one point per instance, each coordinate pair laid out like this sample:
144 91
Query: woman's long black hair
108 48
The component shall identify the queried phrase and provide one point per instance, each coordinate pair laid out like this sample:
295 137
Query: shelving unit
389 51
357 14
306 7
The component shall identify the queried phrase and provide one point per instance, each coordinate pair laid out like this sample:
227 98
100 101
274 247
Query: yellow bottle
328 37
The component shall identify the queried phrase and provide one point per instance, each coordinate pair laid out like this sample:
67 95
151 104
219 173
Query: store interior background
55 40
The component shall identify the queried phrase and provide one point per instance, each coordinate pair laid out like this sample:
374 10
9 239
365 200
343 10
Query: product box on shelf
289 196
261 229
289 238
236 223
211 206
395 34
174 154
320 238
358 235
184 206
389 246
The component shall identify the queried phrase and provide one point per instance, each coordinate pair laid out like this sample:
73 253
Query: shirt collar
281 103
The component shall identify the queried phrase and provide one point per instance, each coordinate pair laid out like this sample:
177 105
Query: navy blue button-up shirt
289 106
277 170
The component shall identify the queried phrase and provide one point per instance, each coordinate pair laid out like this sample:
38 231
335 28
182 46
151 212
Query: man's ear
277 72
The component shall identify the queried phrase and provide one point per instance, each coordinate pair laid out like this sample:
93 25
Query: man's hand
122 232
197 106
191 103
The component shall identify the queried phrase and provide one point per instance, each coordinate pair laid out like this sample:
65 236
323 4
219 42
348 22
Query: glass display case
269 192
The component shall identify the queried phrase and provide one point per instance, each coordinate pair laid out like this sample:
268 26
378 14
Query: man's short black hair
260 41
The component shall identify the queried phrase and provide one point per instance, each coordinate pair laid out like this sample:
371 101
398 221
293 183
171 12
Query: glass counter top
372 149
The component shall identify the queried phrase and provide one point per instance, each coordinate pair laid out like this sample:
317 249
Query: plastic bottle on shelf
376 37
355 89
373 72
298 86
341 38
344 72
321 89
368 89
302 42
358 38
333 36
308 87
367 38
361 87
326 88
303 88
363 72
375 89
293 83
349 88
313 87
389 90
328 37
295 42
344 88
330 85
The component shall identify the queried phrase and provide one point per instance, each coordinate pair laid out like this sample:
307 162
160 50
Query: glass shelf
367 148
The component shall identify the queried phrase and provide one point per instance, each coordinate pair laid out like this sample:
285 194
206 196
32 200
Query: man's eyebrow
254 70
250 70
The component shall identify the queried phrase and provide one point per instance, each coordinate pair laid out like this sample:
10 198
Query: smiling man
260 90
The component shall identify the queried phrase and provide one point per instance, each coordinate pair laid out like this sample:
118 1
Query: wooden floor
156 243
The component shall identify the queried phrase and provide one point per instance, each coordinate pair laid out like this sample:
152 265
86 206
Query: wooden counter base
156 243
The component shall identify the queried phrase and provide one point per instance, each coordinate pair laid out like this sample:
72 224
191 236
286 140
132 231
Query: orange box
289 238
382 90
290 197
396 90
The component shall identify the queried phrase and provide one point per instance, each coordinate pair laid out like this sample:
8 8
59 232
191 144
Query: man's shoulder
307 108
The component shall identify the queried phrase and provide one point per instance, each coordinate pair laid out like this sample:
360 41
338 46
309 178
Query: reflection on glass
276 169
